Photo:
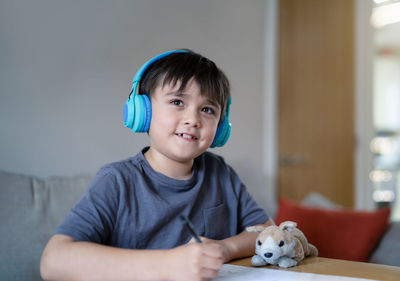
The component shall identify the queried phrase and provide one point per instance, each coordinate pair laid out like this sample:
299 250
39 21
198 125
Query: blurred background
385 145
315 89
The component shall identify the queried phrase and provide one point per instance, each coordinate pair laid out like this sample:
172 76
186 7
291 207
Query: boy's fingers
203 239
209 250
214 250
209 267
209 273
212 263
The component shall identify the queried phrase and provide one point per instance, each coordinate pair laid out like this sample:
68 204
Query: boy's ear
255 228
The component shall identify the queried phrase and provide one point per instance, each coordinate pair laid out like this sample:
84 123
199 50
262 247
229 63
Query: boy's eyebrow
176 93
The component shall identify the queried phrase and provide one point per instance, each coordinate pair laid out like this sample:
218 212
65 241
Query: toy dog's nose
268 255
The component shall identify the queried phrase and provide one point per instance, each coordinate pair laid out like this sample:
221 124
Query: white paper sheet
230 272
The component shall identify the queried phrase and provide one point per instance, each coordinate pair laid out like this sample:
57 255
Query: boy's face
183 124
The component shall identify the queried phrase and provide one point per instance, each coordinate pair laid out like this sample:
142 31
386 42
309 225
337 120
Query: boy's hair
181 67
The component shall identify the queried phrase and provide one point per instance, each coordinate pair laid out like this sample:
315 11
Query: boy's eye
207 110
177 102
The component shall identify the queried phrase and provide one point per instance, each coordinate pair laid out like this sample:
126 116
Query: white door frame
364 131
270 153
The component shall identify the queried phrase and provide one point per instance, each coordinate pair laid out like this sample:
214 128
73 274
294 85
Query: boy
126 226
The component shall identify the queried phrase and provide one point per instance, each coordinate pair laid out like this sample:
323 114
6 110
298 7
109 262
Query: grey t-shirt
129 205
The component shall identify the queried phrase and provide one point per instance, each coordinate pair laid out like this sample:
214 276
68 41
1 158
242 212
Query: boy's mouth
186 136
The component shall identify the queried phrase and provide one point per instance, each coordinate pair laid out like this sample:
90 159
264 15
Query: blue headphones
136 113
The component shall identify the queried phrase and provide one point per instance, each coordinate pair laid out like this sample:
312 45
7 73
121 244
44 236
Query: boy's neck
168 167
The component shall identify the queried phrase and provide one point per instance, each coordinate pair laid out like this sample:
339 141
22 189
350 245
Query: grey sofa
30 210
32 207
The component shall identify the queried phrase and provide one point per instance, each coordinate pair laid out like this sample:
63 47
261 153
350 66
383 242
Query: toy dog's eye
259 243
281 243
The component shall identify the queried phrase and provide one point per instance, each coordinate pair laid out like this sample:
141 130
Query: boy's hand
195 261
225 250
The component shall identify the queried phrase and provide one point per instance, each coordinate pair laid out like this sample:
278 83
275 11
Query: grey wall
66 69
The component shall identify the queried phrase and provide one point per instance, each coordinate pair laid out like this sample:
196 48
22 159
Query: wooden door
316 99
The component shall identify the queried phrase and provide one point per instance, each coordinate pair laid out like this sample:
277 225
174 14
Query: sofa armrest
30 210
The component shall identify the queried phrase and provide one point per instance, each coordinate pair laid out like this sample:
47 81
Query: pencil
189 226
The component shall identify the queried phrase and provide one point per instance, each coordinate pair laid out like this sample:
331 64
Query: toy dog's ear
255 228
288 225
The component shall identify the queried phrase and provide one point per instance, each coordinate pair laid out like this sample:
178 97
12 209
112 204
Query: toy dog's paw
256 260
286 262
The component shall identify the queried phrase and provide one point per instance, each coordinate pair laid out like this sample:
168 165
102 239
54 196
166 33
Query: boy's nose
192 118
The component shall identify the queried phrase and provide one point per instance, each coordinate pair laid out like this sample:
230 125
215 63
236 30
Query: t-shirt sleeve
249 212
93 217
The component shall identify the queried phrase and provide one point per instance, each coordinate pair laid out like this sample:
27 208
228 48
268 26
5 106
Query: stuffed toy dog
283 245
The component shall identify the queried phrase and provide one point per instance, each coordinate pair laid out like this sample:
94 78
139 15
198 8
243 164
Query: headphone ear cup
137 113
147 113
222 134
128 113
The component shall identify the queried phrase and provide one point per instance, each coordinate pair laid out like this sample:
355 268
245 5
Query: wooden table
327 266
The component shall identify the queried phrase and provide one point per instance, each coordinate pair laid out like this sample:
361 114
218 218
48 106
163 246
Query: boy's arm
67 259
241 245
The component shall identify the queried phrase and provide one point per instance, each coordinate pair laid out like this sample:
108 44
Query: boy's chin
185 157
189 155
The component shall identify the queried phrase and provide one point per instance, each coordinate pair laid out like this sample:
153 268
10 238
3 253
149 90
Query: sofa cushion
388 249
31 208
340 233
